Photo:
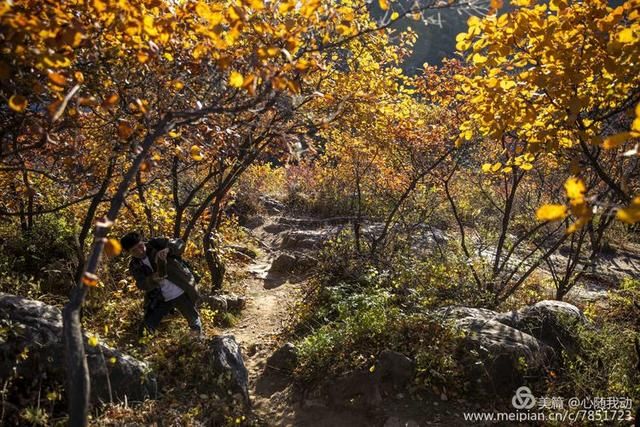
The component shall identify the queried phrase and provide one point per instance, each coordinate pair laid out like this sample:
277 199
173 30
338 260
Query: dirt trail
275 400
270 300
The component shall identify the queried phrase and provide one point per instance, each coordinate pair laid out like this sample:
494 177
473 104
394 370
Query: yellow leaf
18 103
486 168
575 188
99 5
614 141
556 5
394 16
507 84
149 26
256 4
496 167
142 56
236 79
113 360
627 36
551 212
93 340
478 59
526 166
630 214
473 21
196 153
112 247
384 4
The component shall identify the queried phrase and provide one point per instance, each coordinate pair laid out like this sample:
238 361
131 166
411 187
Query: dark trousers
153 317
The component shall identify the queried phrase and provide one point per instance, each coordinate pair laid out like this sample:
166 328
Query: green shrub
50 239
605 364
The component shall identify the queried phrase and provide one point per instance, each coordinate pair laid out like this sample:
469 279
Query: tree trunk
214 262
78 386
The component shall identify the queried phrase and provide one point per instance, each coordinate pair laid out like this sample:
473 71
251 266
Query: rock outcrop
284 359
501 349
225 359
32 353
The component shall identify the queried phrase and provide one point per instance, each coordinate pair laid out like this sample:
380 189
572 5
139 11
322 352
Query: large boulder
500 356
226 362
502 348
552 322
284 359
460 312
32 353
394 370
305 239
272 206
284 263
226 302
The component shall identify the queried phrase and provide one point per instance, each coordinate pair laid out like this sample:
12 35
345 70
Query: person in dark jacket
167 279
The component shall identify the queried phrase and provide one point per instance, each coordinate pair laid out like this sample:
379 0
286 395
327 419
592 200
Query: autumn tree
549 101
101 89
560 78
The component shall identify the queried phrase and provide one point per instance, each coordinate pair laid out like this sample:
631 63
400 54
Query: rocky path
271 296
272 292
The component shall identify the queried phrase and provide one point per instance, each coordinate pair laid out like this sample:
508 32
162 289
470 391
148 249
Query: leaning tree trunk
79 387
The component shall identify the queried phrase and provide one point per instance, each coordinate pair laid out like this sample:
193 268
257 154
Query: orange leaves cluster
163 34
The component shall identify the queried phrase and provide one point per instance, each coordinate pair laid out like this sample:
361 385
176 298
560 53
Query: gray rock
305 261
459 312
284 359
226 302
272 206
501 356
304 239
235 302
253 222
356 384
276 228
284 263
33 325
394 369
226 361
243 250
217 302
552 322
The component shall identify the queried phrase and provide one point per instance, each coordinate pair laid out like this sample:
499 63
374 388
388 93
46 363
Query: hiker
167 279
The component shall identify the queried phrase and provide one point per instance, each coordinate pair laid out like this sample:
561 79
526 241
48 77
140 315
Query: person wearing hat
168 280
